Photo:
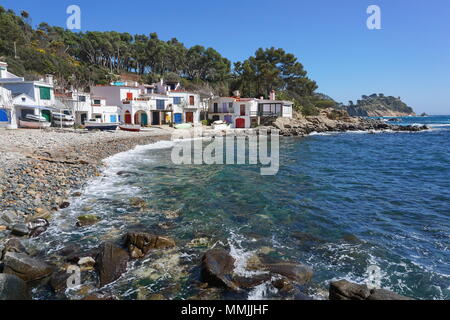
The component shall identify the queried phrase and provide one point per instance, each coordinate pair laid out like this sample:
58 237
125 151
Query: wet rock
283 285
298 273
86 263
37 232
64 204
304 237
217 269
77 194
10 217
251 282
128 173
138 202
140 243
382 294
13 288
198 243
13 245
111 262
19 230
344 290
58 281
40 213
87 220
26 267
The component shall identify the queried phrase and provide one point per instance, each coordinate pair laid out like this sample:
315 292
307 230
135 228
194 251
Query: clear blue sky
409 57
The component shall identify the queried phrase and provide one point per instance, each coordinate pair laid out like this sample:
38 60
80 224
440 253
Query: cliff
378 105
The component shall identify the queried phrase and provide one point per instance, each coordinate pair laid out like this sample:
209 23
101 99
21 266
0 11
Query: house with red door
242 113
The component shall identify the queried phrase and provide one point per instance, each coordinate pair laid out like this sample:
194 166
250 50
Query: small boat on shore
130 127
62 117
102 126
183 126
58 123
35 118
34 124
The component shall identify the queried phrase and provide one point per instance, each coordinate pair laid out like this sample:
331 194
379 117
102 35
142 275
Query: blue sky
409 57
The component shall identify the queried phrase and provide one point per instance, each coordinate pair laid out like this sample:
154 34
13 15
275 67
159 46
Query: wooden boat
62 117
34 124
130 127
58 123
34 118
102 126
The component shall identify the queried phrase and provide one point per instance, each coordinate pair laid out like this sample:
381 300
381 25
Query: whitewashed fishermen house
156 104
247 112
29 97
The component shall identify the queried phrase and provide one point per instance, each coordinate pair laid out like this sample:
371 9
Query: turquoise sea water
340 203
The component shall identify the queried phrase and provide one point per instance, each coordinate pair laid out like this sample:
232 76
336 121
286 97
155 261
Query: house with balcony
247 112
7 111
79 103
29 97
186 106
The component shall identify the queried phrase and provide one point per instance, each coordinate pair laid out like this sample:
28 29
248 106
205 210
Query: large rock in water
217 269
13 288
296 272
344 290
140 243
111 263
26 267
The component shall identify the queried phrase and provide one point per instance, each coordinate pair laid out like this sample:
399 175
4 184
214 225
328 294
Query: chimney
49 79
237 93
272 95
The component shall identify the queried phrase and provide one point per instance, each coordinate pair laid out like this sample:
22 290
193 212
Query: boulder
26 267
382 294
13 288
140 243
345 290
13 245
138 202
298 273
58 281
20 230
217 269
111 262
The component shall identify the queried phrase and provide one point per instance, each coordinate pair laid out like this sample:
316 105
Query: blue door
4 115
228 119
113 118
178 118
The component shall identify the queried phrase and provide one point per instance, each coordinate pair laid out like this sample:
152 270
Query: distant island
378 105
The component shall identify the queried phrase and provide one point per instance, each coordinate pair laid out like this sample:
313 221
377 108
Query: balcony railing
265 114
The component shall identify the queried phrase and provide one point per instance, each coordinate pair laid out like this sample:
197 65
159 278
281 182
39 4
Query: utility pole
15 50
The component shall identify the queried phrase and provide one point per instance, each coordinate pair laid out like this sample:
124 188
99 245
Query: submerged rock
345 290
298 273
138 202
26 267
111 262
140 243
87 220
217 269
13 288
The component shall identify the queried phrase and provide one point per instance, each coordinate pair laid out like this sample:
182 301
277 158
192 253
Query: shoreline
43 164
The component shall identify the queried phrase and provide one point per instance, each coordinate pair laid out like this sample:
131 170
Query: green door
144 119
47 115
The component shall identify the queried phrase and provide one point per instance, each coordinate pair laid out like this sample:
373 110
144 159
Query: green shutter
44 93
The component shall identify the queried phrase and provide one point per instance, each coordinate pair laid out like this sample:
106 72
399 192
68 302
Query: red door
189 117
240 123
191 101
128 117
129 95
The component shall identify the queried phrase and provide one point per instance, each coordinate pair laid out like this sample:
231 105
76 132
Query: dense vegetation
86 58
379 105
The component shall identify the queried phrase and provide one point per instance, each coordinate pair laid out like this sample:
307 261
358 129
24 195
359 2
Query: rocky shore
42 170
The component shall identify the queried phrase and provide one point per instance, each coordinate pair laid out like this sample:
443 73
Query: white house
30 97
7 111
151 104
247 112
79 103
103 113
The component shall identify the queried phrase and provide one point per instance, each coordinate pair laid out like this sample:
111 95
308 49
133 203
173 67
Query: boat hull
58 123
131 128
34 124
102 126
